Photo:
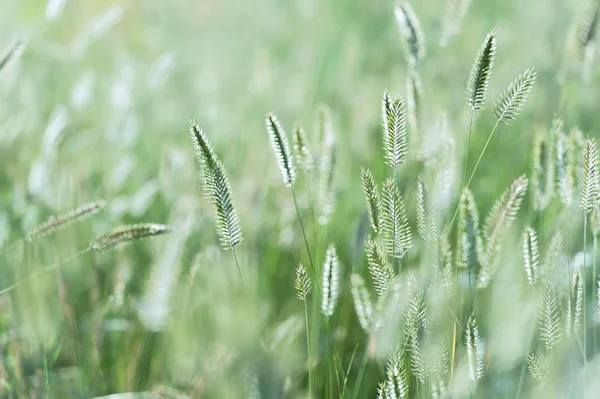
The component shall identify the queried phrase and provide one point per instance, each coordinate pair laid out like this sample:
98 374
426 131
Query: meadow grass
419 220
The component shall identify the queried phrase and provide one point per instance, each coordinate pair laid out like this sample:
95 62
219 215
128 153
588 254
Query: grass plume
481 72
126 234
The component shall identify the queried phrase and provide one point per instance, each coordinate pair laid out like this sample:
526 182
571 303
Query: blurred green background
98 106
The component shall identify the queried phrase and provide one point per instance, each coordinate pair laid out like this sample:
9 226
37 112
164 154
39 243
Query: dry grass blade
410 29
474 350
281 147
302 283
395 134
362 302
373 199
126 234
509 104
531 255
331 281
55 223
590 190
481 72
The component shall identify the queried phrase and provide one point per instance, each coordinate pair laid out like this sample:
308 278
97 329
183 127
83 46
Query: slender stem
237 264
361 373
394 224
453 351
42 271
468 147
308 351
524 363
583 281
312 265
474 170
594 288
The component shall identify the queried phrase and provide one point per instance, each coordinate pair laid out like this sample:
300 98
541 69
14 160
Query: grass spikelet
373 200
552 255
481 72
468 245
281 147
397 383
13 53
362 302
590 190
497 223
217 190
410 29
454 14
331 281
302 154
542 176
474 350
204 151
397 236
564 177
507 107
227 221
380 268
580 49
126 234
302 283
531 255
426 226
414 94
575 311
326 152
537 367
549 327
444 261
415 327
395 134
55 223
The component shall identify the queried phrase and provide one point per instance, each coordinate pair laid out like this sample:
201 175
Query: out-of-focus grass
98 106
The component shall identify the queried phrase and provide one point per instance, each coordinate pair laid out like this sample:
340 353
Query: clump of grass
126 234
55 223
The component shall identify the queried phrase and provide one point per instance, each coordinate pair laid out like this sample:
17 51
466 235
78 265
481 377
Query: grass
436 294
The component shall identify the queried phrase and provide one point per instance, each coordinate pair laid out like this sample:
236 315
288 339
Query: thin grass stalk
42 271
237 264
308 351
584 296
312 265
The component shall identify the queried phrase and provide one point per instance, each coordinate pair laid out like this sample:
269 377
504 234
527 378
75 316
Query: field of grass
172 130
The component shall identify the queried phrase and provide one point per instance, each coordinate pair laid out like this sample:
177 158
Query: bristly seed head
279 142
331 281
129 233
55 223
481 72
